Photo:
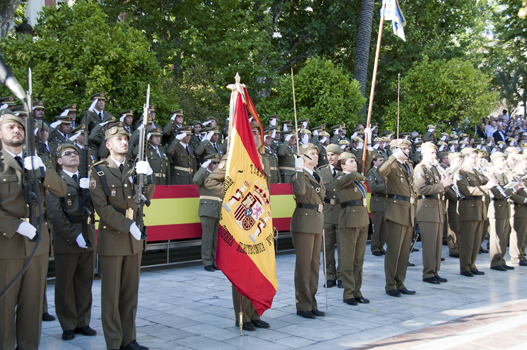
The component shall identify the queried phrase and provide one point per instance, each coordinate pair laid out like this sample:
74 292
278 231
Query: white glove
299 163
33 163
142 167
135 231
173 117
181 136
304 125
399 154
315 133
324 139
80 241
288 137
206 164
104 123
441 148
336 131
27 230
368 132
376 146
354 135
55 124
305 138
443 138
209 135
360 145
273 122
285 128
84 182
74 137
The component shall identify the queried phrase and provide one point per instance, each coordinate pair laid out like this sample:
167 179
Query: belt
287 168
379 195
357 203
273 168
499 199
317 207
160 175
403 198
212 198
471 198
430 196
331 201
188 170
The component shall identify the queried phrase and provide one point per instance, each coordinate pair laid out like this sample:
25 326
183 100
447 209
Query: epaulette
323 166
98 163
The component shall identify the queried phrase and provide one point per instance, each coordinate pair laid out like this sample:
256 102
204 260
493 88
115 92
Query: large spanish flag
245 250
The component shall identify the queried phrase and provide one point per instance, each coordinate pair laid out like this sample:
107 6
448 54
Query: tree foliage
324 93
448 93
76 52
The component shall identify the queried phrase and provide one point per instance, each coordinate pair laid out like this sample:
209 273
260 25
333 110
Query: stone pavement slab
186 307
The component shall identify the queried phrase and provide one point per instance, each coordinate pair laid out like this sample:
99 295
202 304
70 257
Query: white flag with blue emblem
392 12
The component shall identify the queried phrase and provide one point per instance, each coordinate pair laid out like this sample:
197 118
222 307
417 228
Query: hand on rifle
80 241
142 167
33 163
27 230
84 182
135 231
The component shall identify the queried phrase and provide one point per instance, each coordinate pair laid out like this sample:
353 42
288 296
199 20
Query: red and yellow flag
245 250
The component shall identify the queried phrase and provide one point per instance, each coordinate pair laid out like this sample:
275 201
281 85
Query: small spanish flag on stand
245 251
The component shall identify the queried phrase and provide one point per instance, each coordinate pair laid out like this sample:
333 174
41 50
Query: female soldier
353 225
306 229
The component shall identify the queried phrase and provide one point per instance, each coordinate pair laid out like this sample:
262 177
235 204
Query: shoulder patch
99 162
459 177
370 178
93 184
339 177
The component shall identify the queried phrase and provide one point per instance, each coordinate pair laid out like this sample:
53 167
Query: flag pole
241 313
374 77
294 106
398 93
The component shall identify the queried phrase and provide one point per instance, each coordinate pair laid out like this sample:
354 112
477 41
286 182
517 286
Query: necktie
100 115
74 177
19 161
188 151
121 167
334 172
315 175
215 148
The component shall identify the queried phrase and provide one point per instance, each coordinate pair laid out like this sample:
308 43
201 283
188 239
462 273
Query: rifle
139 182
87 214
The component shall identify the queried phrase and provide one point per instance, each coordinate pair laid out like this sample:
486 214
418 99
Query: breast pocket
116 189
11 181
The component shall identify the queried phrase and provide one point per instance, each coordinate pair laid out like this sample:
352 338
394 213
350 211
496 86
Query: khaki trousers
307 248
398 243
73 283
21 307
499 238
353 248
469 244
378 239
209 239
119 292
249 312
432 239
518 240
332 236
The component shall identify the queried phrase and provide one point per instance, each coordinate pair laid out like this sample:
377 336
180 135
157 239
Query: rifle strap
103 180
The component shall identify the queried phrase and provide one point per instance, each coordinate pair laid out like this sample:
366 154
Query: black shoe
415 250
317 312
377 253
508 267
445 242
209 268
383 252
498 268
441 279
247 326
467 273
393 293
47 317
351 301
86 330
442 259
406 291
306 314
215 267
481 250
362 300
68 335
523 262
477 272
455 255
339 284
331 283
260 324
134 345
411 264
432 280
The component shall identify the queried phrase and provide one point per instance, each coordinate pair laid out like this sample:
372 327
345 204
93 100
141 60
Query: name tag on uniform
130 213
320 208
364 202
412 200
113 193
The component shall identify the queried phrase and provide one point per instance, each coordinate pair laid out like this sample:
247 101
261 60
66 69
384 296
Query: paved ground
189 308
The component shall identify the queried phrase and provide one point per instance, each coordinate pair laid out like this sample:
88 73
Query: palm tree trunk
362 51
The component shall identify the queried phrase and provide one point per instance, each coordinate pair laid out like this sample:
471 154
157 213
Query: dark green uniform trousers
307 248
398 244
353 247
209 239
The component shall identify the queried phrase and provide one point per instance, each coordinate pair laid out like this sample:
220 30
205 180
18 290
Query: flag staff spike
294 106
237 78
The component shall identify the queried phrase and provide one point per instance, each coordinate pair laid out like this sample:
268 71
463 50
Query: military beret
116 131
497 155
64 146
334 148
483 153
344 142
307 147
324 133
6 116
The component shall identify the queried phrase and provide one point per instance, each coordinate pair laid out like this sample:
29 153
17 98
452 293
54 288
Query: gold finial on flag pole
237 78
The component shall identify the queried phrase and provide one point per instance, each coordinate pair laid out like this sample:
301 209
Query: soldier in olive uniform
157 157
209 212
518 241
96 139
151 116
96 113
323 142
134 140
307 224
21 306
78 138
429 136
272 157
183 158
353 224
60 134
74 252
452 223
196 138
286 158
331 217
119 243
127 119
430 187
399 216
377 185
209 145
472 212
171 130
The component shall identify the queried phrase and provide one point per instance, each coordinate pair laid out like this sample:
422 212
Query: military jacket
331 199
209 203
205 148
519 208
67 220
377 184
399 181
427 182
286 158
471 184
13 207
195 140
158 162
170 131
350 188
499 207
322 156
180 158
274 171
116 211
308 191
94 119
97 140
